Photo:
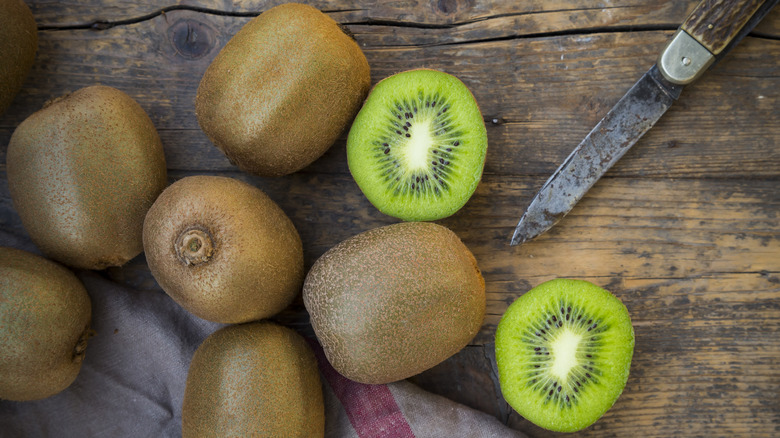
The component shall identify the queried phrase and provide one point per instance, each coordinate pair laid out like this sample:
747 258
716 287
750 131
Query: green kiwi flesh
563 351
254 379
223 249
82 173
45 314
417 148
282 90
19 42
394 301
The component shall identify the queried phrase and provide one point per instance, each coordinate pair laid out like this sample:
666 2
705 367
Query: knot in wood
191 39
447 6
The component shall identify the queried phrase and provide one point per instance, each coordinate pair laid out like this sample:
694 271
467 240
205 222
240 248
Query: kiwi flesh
19 37
254 379
563 352
82 173
45 315
223 249
417 147
394 301
282 90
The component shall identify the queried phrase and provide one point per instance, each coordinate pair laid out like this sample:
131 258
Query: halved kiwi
563 351
417 147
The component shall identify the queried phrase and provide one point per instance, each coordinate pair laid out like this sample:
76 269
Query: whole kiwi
223 249
255 379
45 314
82 173
18 44
280 92
394 301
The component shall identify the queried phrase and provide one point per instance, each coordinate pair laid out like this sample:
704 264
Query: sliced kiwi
417 147
564 351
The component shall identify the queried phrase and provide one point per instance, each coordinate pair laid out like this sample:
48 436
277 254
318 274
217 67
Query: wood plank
537 108
508 18
449 13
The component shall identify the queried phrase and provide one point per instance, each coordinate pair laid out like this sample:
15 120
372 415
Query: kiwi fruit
253 379
417 147
82 173
223 249
19 36
394 301
282 90
45 315
563 351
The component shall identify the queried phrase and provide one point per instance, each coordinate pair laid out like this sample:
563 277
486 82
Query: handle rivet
686 61
709 26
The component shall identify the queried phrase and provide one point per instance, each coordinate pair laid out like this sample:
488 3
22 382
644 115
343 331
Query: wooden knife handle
714 23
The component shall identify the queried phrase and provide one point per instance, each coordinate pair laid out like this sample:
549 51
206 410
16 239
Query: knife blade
711 30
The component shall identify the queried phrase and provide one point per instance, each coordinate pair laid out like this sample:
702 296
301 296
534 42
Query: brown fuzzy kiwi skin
254 379
223 249
82 173
394 301
282 90
45 314
19 36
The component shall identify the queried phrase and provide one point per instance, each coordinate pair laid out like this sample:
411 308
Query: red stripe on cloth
371 409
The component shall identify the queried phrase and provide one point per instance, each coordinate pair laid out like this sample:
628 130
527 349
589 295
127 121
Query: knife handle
709 32
714 23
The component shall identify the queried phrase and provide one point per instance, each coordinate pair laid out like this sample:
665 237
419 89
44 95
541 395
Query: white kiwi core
564 353
417 148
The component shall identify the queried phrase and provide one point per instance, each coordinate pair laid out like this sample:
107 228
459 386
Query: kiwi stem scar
194 246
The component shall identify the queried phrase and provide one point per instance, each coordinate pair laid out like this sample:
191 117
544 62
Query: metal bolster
684 59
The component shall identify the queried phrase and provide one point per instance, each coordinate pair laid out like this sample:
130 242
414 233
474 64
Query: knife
709 32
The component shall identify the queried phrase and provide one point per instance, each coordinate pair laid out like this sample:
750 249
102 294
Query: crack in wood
561 33
456 24
108 24
99 25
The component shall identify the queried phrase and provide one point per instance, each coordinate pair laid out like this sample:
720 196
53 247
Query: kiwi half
417 147
563 352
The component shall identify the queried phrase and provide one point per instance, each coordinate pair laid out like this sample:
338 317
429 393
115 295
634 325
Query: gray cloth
132 381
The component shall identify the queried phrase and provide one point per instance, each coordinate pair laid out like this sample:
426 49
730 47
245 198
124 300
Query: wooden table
685 229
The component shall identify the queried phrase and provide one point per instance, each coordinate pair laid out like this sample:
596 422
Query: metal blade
636 112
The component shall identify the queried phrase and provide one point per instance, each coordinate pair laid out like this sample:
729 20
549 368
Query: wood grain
685 229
